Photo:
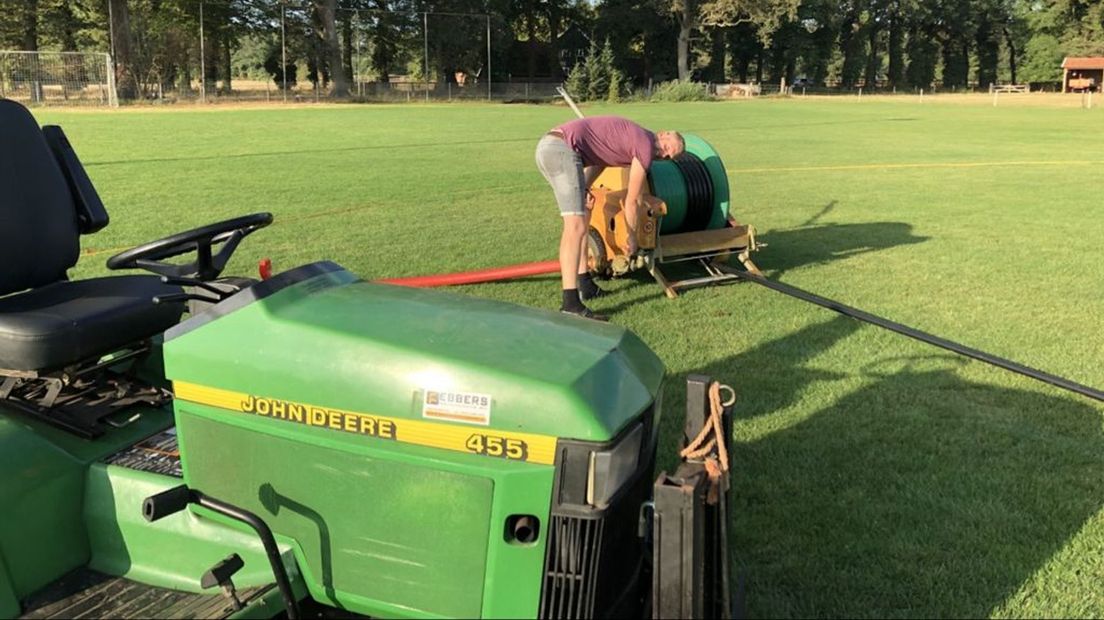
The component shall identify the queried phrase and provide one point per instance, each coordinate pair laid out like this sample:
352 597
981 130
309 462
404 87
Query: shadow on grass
919 494
822 243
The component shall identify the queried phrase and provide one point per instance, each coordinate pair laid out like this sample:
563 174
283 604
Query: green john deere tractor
185 444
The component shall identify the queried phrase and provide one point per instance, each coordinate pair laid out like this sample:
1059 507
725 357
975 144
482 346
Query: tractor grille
595 564
571 577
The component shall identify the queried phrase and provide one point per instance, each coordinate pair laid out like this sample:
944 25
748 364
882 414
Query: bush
681 91
596 77
615 88
577 81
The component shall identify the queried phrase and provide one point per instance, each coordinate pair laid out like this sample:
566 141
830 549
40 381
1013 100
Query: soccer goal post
57 78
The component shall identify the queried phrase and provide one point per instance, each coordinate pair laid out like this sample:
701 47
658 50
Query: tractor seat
66 322
46 321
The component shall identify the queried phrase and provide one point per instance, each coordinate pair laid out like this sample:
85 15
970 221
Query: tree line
846 43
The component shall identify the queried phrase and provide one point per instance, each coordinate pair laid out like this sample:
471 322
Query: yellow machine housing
608 238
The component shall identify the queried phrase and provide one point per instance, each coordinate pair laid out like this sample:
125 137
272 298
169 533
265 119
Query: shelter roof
1083 62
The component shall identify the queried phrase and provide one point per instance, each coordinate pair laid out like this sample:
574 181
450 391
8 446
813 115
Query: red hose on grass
508 272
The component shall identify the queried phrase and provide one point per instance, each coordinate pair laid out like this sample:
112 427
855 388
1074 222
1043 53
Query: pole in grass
283 48
111 36
425 51
202 60
356 65
489 57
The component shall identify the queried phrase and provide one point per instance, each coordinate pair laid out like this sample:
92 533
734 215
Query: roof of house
1083 62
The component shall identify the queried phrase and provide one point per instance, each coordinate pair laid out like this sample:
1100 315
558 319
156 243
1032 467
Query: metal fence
63 78
245 90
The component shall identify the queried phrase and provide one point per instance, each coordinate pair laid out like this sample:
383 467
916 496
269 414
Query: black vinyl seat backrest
39 236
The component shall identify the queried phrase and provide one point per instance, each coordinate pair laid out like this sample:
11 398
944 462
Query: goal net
57 78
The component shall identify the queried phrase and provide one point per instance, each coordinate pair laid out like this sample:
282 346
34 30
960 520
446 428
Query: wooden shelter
1080 74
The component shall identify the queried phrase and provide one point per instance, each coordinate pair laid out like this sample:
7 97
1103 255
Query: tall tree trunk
327 14
30 40
716 71
184 80
125 84
1011 53
964 64
347 43
687 17
896 48
531 32
208 72
68 28
554 67
73 67
851 46
226 64
873 60
384 34
956 63
30 25
778 63
988 52
759 66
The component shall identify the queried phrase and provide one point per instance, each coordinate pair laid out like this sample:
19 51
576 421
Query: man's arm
637 176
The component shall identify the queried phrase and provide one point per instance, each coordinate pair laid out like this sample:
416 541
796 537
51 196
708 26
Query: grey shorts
563 169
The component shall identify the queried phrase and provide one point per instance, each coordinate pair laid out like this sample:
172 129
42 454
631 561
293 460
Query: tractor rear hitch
176 499
690 577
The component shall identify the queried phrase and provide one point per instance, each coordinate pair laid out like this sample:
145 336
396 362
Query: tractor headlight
610 469
593 478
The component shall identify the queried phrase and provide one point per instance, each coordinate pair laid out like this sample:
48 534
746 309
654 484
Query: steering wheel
208 264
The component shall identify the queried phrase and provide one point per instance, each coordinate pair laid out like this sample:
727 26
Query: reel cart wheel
597 262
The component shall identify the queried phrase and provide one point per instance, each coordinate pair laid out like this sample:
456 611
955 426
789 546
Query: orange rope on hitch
710 444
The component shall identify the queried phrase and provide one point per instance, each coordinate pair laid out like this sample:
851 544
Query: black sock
571 301
587 283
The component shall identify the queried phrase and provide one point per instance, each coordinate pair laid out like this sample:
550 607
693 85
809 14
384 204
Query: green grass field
874 476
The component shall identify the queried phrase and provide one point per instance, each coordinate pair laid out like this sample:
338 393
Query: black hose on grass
905 330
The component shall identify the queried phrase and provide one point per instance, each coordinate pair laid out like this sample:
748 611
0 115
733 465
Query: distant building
574 45
1080 74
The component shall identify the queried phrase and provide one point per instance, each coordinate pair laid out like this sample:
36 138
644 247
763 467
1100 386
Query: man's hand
590 200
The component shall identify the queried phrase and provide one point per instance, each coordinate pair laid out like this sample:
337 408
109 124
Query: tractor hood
317 339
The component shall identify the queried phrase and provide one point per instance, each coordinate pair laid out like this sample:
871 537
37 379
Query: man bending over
571 157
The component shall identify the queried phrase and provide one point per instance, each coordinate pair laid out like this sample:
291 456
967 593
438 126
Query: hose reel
684 217
694 186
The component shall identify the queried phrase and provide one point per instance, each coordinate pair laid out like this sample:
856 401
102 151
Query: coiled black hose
699 192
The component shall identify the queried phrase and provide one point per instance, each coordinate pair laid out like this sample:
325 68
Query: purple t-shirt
609 141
